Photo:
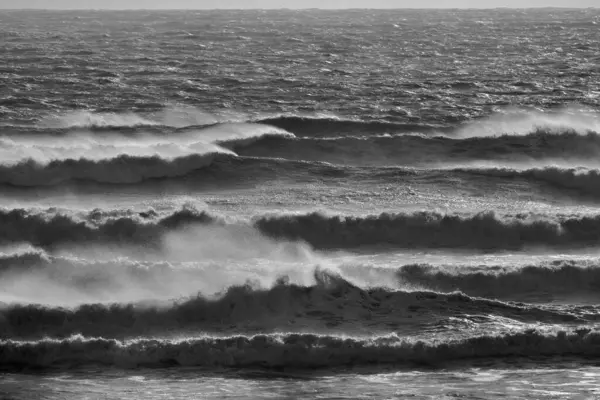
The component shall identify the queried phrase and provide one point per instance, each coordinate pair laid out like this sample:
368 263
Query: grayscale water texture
300 204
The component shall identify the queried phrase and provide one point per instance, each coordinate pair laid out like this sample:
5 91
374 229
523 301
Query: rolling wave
563 278
54 228
484 231
23 260
186 119
294 351
523 121
220 168
226 168
317 126
515 122
138 135
122 169
420 150
332 303
584 181
123 160
434 230
127 279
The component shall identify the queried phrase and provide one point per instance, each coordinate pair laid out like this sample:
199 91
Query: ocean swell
54 228
421 150
331 304
294 351
485 230
122 169
583 181
563 278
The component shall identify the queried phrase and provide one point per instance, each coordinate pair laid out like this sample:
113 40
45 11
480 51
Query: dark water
345 204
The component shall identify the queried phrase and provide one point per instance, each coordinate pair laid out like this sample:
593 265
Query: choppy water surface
286 204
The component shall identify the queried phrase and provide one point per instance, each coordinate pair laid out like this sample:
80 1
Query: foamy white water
348 204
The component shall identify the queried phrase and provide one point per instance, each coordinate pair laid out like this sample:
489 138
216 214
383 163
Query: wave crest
122 169
563 278
332 303
48 229
293 351
421 150
433 230
486 230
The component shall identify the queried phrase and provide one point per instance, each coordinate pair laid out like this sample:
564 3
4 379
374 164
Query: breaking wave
22 260
485 231
513 122
132 279
53 228
122 169
524 121
218 168
131 138
562 278
227 168
294 351
418 150
434 230
332 303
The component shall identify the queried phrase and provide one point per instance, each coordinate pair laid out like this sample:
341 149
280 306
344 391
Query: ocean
300 204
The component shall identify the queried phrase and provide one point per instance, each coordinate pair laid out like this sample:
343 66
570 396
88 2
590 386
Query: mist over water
388 203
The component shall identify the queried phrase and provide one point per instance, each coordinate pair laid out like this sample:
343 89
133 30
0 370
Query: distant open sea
300 204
